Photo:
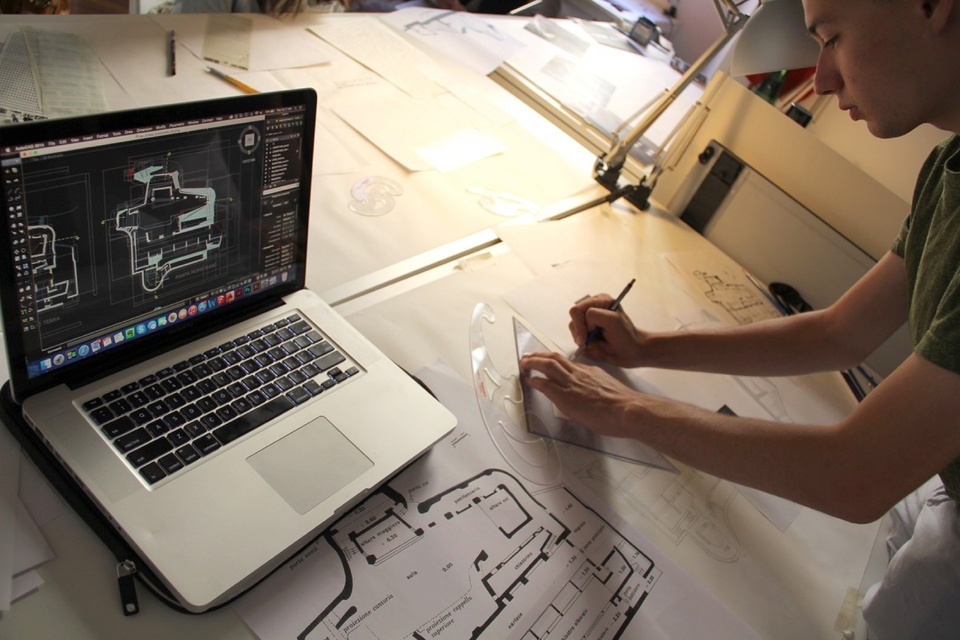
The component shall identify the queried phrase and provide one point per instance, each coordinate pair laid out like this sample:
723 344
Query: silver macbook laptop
161 341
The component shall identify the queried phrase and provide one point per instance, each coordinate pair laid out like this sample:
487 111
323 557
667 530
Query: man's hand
585 394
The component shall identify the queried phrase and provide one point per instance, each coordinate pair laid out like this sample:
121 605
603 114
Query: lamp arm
609 166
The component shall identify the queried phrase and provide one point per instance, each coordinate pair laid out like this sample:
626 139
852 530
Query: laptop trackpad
310 464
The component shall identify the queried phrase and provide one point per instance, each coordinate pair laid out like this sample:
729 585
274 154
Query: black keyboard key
146 381
92 404
102 415
272 340
195 429
270 391
226 413
110 396
141 416
191 412
183 365
138 399
120 406
236 373
191 393
152 473
158 408
253 419
187 377
188 454
130 387
300 327
321 349
236 390
118 427
170 385
170 463
130 441
206 405
206 444
156 428
331 359
202 370
241 405
166 372
174 401
150 451
206 386
211 421
352 371
299 395
178 438
154 392
174 420
314 388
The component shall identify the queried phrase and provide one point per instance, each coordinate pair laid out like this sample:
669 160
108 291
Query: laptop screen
123 227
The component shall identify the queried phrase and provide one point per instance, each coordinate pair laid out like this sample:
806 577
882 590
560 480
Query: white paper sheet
373 44
420 134
273 44
463 36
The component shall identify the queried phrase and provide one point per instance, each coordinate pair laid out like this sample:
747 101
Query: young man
894 64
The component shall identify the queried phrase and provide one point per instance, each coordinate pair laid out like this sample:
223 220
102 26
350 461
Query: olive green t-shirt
929 243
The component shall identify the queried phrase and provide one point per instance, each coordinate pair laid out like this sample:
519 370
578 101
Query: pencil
171 53
596 332
243 87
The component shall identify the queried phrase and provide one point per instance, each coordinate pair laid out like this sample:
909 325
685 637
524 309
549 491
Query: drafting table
421 267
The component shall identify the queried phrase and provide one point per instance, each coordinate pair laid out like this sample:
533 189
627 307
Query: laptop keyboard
166 421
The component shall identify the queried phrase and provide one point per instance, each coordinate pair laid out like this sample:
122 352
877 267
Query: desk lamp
773 38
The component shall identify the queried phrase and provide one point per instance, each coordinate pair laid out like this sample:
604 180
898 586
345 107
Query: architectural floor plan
460 545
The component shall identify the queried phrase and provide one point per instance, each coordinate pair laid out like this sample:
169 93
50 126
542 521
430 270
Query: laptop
163 345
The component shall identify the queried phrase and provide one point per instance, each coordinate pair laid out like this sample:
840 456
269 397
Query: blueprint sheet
462 545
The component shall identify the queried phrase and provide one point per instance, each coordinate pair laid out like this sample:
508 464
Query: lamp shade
774 38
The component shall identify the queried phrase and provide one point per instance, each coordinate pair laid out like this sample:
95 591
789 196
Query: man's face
871 58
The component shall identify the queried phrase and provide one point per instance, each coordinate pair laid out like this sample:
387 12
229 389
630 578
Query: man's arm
907 430
835 338
904 432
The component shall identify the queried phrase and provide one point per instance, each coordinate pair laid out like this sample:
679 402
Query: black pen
596 332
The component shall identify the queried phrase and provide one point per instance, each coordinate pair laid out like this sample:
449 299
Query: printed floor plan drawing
516 550
171 228
458 547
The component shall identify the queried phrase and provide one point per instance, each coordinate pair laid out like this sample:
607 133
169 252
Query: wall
894 163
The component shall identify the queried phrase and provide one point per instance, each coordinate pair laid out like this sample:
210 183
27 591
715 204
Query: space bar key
252 419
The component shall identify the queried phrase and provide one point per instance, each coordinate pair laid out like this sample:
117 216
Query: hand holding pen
597 332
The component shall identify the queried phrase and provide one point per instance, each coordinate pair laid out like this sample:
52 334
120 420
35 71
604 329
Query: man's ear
940 13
